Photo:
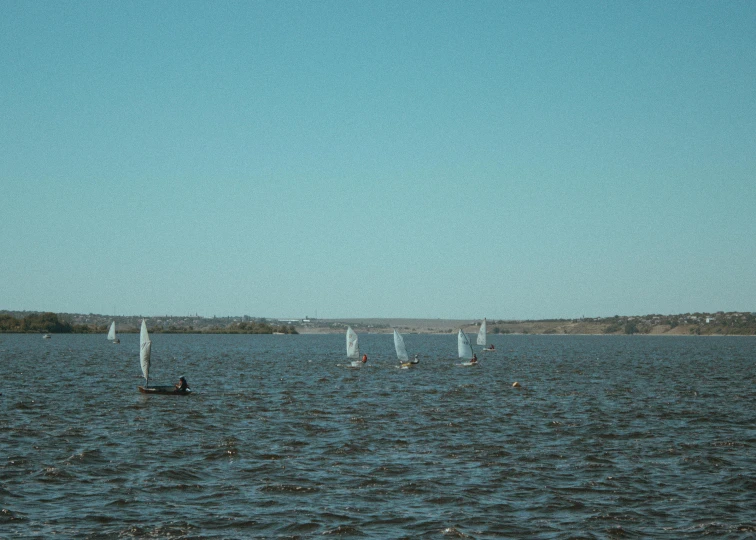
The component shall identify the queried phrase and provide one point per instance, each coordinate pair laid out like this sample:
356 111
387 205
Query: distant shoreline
735 323
710 324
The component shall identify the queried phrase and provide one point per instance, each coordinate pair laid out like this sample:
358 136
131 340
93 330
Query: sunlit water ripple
609 436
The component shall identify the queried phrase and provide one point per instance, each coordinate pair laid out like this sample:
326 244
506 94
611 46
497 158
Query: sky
331 159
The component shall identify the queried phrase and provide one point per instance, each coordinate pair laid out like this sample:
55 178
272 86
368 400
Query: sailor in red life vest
474 359
364 359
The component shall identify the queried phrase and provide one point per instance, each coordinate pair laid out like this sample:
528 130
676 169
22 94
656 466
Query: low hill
720 323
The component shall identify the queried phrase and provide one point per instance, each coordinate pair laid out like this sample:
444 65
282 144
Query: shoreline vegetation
52 323
712 324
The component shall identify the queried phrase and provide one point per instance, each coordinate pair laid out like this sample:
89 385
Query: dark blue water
608 437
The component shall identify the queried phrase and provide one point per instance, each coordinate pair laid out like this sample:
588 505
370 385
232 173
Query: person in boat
182 385
415 360
491 347
474 359
364 359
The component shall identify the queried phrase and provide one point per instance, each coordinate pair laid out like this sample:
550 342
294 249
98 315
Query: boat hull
163 390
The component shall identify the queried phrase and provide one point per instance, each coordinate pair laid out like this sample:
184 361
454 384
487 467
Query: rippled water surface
608 437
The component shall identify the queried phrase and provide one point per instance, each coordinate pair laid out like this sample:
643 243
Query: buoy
516 385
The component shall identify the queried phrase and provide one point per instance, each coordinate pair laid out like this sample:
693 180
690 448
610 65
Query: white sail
401 350
463 345
144 350
482 334
111 333
352 344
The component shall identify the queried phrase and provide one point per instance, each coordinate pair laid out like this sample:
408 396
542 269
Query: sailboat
112 334
464 349
482 334
145 350
401 351
482 339
353 346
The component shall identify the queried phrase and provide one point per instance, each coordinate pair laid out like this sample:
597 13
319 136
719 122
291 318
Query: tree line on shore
50 323
251 327
43 323
719 323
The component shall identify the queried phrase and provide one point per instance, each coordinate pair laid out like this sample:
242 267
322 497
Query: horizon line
196 315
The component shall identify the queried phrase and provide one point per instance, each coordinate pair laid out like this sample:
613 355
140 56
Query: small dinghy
401 352
464 349
164 390
353 348
112 337
145 349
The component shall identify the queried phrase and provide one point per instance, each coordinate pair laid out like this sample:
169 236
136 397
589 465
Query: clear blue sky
378 159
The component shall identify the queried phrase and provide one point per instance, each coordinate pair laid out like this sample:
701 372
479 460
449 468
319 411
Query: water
608 437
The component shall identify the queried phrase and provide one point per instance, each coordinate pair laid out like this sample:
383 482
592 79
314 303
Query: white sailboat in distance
352 346
401 352
112 334
483 338
145 353
482 334
464 349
